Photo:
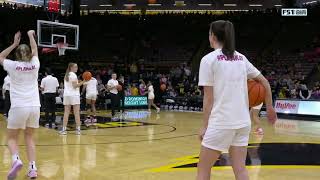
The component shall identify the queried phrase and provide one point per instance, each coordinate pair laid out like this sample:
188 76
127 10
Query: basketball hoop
62 48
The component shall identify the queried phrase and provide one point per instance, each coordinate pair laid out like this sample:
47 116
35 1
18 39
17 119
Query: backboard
50 33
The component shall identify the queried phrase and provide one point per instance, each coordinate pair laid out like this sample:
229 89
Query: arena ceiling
187 4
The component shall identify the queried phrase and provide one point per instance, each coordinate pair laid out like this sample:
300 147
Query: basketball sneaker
88 120
47 125
53 126
78 132
94 119
32 174
63 132
16 167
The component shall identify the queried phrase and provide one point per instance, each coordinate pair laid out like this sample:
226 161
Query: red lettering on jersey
225 58
26 68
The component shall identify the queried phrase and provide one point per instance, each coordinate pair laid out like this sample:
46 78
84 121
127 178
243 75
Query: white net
62 48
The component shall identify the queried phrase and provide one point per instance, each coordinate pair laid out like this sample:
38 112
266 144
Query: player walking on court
25 102
91 89
71 98
151 97
223 74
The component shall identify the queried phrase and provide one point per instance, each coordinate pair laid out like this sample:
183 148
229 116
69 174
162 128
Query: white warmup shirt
230 93
24 91
92 87
150 92
6 83
49 84
69 90
113 83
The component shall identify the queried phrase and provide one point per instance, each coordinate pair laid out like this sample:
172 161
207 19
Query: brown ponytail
224 31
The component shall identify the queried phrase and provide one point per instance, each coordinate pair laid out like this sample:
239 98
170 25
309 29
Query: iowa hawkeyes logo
287 155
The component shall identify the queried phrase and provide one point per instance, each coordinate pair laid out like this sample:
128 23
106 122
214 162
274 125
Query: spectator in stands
128 91
284 93
197 91
315 93
134 90
171 92
101 90
293 93
134 68
187 71
181 89
142 87
163 79
305 93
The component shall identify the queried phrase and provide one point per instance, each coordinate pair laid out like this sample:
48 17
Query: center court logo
275 155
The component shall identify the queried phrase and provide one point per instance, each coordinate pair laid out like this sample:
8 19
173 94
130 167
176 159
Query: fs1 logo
294 12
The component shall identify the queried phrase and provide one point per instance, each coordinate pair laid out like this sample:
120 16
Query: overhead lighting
62 4
205 4
232 5
255 5
154 4
105 5
278 5
83 5
129 5
310 2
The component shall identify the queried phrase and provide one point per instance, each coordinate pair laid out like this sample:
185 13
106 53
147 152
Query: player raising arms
25 104
223 74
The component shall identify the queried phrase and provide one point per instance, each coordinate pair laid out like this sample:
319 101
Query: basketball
163 87
257 93
119 87
87 75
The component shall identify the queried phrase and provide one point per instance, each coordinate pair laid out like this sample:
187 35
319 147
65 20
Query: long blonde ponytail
66 76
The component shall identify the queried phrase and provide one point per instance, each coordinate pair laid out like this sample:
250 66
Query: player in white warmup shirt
223 74
71 98
151 97
24 113
91 89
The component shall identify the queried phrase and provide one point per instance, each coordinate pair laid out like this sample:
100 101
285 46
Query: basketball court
143 145
165 146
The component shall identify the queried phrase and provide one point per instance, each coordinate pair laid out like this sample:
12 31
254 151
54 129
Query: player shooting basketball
25 104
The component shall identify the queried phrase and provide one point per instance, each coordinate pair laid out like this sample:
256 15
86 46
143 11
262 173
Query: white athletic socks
78 128
15 157
64 128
